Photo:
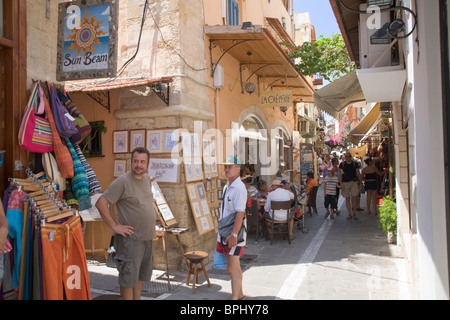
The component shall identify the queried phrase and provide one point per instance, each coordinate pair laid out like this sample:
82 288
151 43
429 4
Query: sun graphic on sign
87 35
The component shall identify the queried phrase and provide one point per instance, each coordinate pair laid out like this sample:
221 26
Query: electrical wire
395 20
168 45
125 65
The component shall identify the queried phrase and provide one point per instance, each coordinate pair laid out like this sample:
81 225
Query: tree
326 57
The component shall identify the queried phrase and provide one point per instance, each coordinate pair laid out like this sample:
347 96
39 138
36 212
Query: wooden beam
15 88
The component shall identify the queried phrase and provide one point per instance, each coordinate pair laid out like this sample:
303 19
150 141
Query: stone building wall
172 45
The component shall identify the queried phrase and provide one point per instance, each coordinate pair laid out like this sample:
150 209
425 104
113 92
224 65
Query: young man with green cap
234 202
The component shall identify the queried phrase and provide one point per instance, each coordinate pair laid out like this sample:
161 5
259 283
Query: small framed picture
171 139
120 167
137 138
120 141
154 141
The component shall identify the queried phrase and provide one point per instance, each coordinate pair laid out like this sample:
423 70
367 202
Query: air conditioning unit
371 44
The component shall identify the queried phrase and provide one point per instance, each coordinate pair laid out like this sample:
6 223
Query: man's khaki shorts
133 260
350 188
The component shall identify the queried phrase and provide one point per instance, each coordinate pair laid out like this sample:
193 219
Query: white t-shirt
278 194
234 200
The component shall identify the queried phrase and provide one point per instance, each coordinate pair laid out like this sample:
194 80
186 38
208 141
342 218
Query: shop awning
373 85
365 125
100 91
383 84
261 54
117 84
340 93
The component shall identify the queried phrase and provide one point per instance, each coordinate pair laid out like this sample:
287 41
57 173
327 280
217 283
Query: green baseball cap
231 160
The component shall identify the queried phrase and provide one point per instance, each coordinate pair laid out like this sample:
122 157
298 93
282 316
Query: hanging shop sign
275 98
87 40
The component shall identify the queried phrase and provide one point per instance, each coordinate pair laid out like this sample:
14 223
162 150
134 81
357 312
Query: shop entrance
251 135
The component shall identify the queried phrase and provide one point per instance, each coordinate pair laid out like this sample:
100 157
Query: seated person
280 194
262 190
249 171
310 182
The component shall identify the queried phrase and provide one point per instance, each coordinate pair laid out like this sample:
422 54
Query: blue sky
321 15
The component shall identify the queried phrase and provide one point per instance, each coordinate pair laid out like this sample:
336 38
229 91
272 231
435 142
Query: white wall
426 153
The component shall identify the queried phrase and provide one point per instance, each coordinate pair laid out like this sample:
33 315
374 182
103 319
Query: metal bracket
240 71
102 98
162 90
211 41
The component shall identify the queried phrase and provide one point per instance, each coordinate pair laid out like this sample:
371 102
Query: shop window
92 144
233 12
303 126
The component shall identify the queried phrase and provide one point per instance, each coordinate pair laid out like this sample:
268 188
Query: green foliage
388 215
326 57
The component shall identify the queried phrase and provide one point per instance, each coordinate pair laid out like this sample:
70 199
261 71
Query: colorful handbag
94 184
63 119
35 133
62 154
80 184
82 125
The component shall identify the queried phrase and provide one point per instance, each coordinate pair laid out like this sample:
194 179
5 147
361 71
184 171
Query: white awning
384 84
339 94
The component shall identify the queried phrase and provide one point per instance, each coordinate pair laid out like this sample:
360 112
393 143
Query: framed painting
165 170
154 141
137 138
120 167
201 211
120 141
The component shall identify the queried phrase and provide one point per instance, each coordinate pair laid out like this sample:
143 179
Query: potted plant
388 218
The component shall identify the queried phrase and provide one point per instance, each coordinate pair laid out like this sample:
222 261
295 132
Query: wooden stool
195 259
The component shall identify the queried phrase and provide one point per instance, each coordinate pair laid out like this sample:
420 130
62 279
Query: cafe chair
278 226
253 220
312 200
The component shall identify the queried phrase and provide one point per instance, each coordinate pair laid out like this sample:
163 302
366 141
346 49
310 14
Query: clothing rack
43 197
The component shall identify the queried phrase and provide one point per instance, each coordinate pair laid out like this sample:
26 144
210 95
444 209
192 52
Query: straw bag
35 133
62 154
51 170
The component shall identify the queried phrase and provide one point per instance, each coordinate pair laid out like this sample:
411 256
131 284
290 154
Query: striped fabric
64 125
84 129
42 132
94 185
69 196
62 154
330 185
35 134
80 185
